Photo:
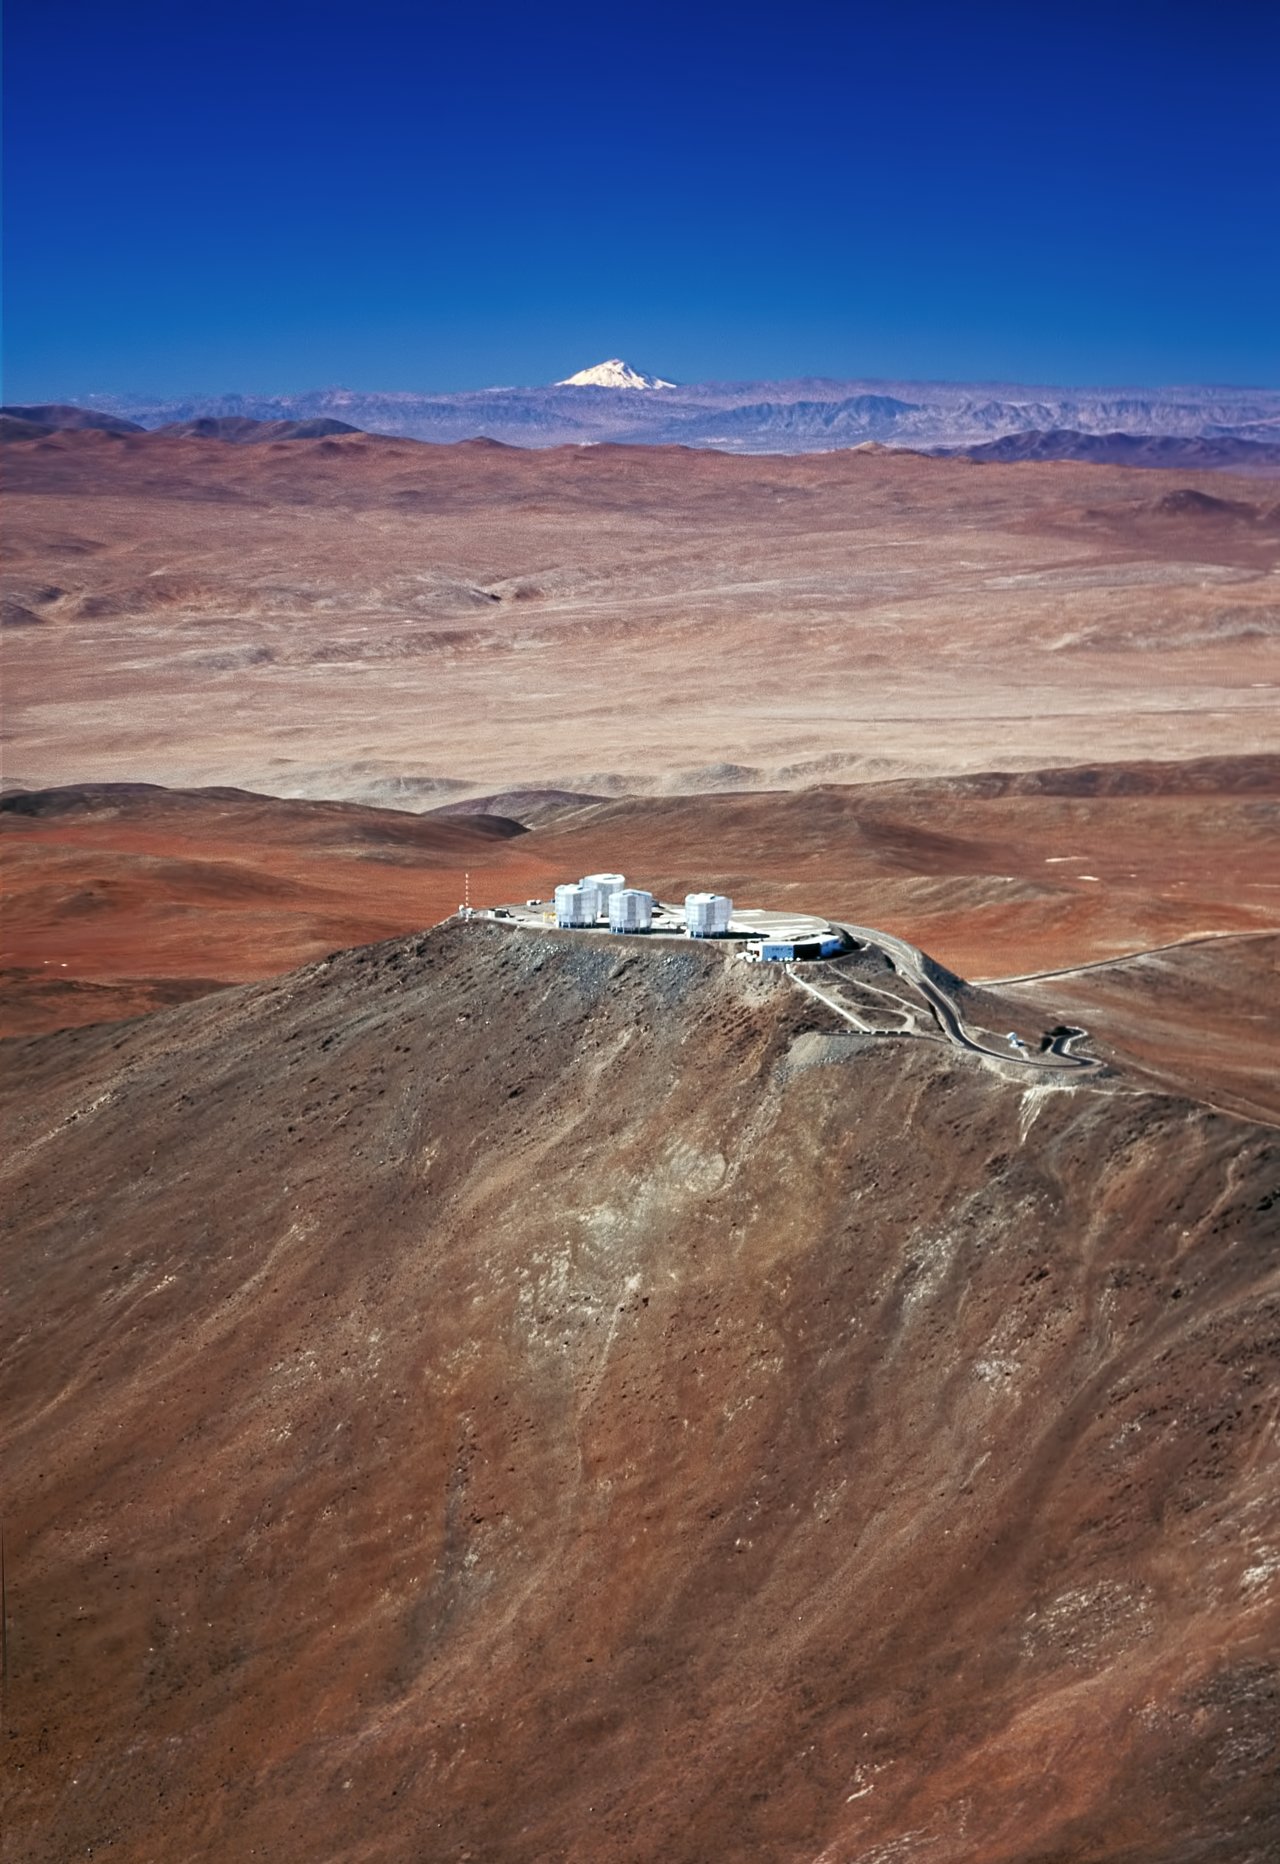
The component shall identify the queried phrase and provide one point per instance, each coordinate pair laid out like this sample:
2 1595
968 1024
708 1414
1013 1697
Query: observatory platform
757 933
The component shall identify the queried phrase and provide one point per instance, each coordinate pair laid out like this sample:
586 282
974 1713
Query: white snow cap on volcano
613 374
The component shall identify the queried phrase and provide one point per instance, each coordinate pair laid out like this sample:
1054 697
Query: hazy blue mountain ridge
806 415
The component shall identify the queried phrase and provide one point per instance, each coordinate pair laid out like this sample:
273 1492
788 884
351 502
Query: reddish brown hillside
123 897
119 895
493 1396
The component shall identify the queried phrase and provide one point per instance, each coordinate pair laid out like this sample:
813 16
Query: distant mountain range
29 423
50 417
612 402
1217 453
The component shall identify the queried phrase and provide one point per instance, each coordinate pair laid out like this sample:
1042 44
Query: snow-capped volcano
613 374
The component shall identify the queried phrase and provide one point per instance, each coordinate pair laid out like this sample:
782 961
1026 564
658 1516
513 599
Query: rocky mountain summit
613 374
532 1397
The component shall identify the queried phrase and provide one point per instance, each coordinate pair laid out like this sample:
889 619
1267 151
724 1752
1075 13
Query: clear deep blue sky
208 194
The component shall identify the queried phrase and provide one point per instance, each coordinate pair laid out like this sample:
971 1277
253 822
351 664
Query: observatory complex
605 903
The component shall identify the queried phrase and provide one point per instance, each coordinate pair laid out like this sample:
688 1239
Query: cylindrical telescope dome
707 914
630 910
603 885
575 906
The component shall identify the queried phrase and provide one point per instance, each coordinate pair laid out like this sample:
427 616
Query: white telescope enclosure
603 885
575 906
707 914
630 910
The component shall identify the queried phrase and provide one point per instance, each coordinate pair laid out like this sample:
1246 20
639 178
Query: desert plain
368 618
482 1394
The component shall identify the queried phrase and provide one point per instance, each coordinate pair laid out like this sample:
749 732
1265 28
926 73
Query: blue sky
209 195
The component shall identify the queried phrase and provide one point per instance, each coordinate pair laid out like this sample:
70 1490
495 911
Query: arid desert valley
479 1390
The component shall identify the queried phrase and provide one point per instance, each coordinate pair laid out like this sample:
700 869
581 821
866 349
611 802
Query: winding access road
912 965
905 960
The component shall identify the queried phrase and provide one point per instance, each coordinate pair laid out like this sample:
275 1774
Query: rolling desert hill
395 623
122 898
1187 453
31 420
492 1395
1198 1015
242 431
